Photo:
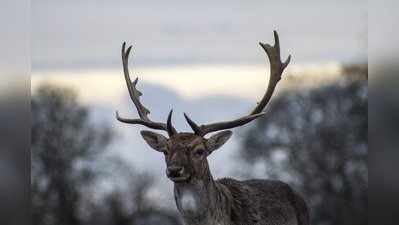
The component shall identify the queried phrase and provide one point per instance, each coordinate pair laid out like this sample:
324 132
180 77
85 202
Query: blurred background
201 58
14 112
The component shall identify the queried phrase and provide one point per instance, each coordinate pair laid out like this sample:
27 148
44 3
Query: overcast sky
89 33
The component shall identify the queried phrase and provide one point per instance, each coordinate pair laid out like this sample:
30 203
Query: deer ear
218 139
156 141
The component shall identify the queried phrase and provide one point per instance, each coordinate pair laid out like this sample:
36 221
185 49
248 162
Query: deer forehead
186 140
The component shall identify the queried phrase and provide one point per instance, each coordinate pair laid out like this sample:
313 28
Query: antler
276 69
135 96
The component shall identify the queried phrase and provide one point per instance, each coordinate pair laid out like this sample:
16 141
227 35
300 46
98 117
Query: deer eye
199 152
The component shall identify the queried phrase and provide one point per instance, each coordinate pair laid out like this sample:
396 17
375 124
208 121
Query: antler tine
193 125
135 97
169 127
276 69
205 129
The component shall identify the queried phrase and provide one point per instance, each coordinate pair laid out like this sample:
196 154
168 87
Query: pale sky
89 33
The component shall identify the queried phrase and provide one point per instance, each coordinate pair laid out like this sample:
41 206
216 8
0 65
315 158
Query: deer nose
174 171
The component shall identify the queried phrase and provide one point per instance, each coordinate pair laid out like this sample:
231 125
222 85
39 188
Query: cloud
188 82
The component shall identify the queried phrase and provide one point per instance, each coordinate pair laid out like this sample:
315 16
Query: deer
200 199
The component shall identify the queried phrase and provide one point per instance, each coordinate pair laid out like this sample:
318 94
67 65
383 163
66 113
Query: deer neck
201 201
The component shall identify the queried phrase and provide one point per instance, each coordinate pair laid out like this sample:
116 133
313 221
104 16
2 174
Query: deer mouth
179 179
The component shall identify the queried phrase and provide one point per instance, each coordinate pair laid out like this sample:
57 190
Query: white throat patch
188 201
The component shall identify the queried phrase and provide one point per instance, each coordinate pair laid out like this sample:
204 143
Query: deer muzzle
176 173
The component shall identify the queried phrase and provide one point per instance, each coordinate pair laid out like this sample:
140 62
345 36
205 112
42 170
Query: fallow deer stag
200 199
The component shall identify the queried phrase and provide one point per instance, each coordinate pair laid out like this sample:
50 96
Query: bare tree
130 204
63 146
321 149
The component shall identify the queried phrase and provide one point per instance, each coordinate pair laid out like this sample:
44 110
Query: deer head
186 153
